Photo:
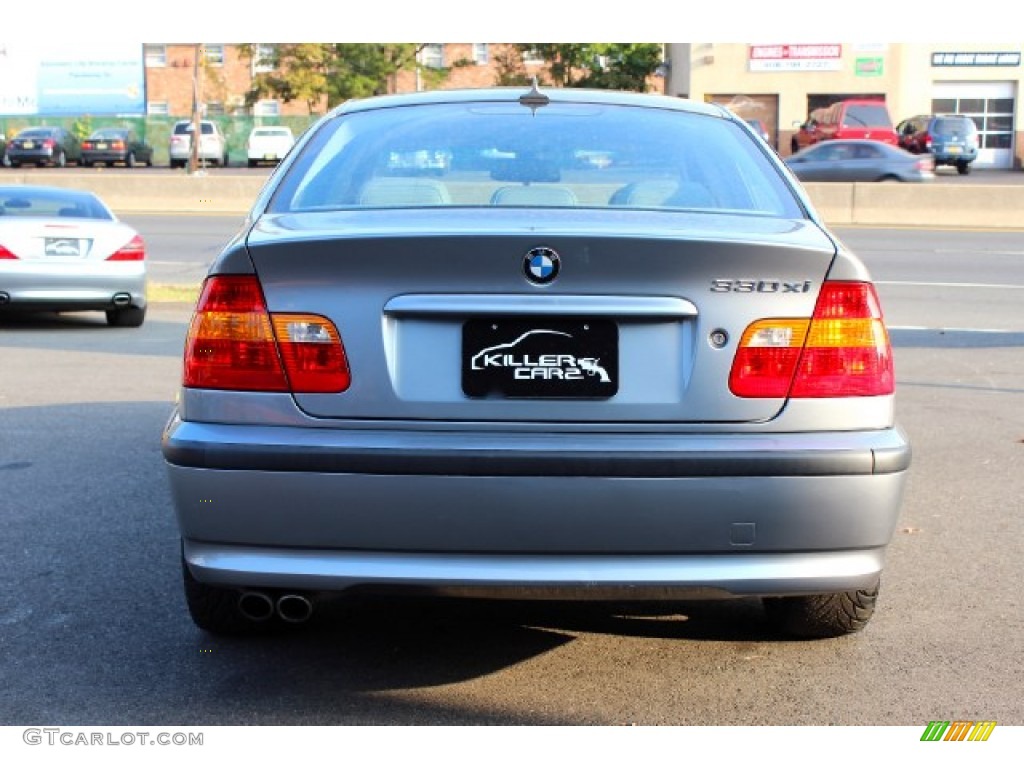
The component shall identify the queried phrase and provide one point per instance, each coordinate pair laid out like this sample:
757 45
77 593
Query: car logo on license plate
541 265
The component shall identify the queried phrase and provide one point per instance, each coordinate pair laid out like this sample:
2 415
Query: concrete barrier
997 206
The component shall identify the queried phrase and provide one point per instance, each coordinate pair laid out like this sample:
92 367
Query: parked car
268 144
760 129
116 145
534 378
859 160
847 119
950 139
43 145
213 146
63 250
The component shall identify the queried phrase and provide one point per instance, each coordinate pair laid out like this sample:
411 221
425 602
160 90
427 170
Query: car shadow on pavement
161 334
95 628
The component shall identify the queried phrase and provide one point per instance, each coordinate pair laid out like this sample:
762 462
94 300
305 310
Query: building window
532 58
213 55
214 108
267 108
480 53
157 108
432 55
155 55
263 58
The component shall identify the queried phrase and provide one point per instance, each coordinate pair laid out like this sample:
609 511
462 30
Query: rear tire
252 163
130 160
821 616
127 317
62 160
963 168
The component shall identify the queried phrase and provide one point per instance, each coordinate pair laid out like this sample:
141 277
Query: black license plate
540 357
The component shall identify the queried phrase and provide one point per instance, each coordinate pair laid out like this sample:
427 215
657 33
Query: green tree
336 72
299 72
508 63
621 66
370 69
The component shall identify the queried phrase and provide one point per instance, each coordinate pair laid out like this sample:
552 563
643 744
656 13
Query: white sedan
64 250
268 144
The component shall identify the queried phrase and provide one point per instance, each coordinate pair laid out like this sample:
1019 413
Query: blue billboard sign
72 79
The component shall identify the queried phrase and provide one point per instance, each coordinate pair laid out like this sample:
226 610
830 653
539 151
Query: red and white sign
796 57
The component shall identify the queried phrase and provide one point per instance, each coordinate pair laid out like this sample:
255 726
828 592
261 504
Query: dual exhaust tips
259 606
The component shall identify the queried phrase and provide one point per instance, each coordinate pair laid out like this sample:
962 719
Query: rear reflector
135 250
843 351
235 343
6 254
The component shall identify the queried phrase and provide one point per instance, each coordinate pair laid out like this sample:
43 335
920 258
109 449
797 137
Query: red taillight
117 145
86 145
842 351
135 250
235 343
927 141
49 143
6 254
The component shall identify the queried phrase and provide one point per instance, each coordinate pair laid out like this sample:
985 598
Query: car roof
512 94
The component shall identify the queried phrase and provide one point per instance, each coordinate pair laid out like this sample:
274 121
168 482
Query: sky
740 21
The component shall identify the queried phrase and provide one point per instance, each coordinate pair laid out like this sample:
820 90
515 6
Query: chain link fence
156 130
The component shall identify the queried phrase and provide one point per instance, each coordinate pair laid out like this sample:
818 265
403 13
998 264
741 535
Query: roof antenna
534 99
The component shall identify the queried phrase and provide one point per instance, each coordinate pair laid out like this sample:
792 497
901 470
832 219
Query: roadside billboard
65 79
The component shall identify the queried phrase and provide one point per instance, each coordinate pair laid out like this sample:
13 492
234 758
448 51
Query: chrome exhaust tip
294 609
5 298
122 299
256 606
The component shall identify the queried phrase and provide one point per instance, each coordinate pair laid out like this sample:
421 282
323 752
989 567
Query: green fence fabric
157 130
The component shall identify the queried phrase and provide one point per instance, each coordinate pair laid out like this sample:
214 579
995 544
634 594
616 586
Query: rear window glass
944 125
38 133
561 155
271 132
866 114
110 133
205 128
29 201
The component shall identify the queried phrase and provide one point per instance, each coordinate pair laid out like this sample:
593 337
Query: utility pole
193 155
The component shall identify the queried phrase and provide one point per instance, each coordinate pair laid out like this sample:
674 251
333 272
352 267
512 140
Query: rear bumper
468 512
576 577
70 286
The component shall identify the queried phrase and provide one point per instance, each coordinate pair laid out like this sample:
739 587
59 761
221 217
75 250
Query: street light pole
193 155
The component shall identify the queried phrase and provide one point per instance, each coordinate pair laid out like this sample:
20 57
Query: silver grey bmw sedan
522 343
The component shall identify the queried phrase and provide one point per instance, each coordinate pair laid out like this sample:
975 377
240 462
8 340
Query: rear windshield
561 155
41 202
36 133
866 114
945 125
205 128
110 133
271 132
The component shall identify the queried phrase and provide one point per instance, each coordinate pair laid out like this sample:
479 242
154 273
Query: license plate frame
560 358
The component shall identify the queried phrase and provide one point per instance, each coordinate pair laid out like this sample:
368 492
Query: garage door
991 107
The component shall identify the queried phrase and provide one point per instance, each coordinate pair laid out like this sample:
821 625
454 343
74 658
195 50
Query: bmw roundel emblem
541 265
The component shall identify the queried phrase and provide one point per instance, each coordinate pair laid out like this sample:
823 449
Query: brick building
226 75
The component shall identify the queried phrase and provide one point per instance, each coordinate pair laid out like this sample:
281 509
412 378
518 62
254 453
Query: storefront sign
871 66
996 59
795 57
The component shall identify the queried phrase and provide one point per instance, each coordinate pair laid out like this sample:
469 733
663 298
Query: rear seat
403 192
532 194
